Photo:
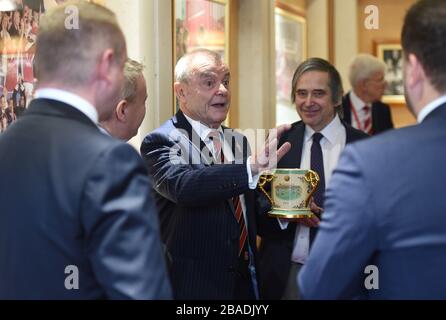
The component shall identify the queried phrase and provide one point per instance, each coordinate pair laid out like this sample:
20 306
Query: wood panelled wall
391 16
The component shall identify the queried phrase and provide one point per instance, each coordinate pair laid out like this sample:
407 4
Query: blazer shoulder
296 128
107 145
353 134
162 132
382 105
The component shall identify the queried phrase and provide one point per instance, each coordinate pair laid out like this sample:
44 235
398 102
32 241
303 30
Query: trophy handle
264 179
313 179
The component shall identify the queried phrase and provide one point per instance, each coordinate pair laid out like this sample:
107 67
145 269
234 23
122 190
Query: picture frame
392 54
200 24
17 52
291 50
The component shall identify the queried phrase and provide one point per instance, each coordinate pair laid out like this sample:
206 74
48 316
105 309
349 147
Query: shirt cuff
252 181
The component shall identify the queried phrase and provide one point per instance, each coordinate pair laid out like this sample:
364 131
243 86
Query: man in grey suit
383 233
203 176
77 220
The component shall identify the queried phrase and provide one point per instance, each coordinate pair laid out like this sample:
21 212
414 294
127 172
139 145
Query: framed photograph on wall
200 24
19 28
290 32
392 54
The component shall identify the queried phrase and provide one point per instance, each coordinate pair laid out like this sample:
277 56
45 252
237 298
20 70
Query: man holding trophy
316 143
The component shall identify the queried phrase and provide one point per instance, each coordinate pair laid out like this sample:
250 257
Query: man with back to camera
393 219
84 225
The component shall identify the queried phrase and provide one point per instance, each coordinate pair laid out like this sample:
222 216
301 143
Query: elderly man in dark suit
76 220
320 136
383 235
362 106
203 176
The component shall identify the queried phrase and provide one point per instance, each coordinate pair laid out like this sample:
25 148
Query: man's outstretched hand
269 155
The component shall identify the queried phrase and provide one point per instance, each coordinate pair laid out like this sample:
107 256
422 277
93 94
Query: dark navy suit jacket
385 206
199 228
381 116
72 196
277 244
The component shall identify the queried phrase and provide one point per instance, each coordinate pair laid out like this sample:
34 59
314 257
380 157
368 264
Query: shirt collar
356 101
202 130
430 107
330 132
103 130
71 99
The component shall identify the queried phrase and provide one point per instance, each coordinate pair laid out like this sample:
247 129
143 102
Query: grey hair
132 71
363 67
185 65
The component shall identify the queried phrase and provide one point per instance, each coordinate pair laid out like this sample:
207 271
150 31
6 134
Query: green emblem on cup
291 191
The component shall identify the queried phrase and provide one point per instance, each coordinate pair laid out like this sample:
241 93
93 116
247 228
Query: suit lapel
238 155
347 109
238 145
296 137
196 147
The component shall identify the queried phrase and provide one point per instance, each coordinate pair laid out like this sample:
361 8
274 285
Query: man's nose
222 89
308 99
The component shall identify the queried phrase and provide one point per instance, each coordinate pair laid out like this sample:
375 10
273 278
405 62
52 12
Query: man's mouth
219 105
311 111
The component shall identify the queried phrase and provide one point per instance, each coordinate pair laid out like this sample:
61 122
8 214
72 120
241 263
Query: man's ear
414 71
121 110
178 87
105 65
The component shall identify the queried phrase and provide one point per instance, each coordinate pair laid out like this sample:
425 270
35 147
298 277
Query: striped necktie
214 136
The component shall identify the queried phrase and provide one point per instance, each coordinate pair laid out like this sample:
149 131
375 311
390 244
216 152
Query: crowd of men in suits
181 220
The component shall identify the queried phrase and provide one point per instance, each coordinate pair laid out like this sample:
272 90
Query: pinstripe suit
198 225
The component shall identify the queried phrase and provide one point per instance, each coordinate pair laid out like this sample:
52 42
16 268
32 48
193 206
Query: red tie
367 120
214 136
238 211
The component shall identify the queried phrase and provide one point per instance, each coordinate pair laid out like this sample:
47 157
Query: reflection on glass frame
392 55
18 34
200 24
290 31
17 49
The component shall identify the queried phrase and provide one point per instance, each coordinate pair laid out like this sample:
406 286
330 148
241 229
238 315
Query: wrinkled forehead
205 65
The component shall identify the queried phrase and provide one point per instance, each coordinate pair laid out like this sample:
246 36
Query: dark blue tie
317 164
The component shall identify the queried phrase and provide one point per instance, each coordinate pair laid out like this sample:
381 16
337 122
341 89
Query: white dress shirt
430 107
69 98
332 145
358 105
203 131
